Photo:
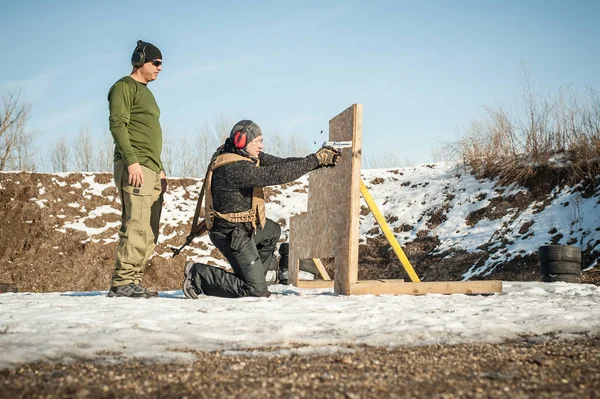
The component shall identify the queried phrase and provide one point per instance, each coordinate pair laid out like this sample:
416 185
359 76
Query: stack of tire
560 263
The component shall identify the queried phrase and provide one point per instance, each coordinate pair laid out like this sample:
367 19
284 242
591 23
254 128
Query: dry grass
559 136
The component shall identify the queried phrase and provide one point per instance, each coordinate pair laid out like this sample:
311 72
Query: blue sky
422 70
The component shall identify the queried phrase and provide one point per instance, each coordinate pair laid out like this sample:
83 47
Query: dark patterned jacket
232 183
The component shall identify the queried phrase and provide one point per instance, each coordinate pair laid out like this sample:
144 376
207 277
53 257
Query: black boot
284 252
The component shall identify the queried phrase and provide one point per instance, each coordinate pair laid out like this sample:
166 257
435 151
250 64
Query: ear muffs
139 54
240 138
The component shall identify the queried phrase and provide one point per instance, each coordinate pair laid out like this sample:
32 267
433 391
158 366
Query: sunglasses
156 63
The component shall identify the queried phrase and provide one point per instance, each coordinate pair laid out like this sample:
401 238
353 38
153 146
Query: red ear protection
239 139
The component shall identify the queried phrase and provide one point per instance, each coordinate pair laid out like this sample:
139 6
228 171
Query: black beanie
248 127
152 52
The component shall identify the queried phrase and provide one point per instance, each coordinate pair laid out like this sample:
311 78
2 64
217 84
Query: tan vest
256 215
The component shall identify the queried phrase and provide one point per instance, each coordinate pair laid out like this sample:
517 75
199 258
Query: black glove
163 185
328 156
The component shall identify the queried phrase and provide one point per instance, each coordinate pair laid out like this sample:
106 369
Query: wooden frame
326 281
333 211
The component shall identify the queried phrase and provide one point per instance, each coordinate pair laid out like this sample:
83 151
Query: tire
567 278
547 253
8 287
560 267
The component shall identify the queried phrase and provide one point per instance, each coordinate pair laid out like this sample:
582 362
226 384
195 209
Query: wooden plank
396 287
314 284
321 269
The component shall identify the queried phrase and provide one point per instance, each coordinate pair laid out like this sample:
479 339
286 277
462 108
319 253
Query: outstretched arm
267 159
246 175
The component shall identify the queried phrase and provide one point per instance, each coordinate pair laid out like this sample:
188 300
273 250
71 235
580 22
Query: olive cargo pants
137 236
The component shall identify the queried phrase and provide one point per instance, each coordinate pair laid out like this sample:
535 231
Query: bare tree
187 166
25 155
105 152
296 147
194 161
534 117
168 155
13 135
439 153
222 129
205 146
59 155
292 146
275 144
385 160
83 151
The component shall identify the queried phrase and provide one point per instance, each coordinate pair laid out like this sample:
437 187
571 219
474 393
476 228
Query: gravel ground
539 367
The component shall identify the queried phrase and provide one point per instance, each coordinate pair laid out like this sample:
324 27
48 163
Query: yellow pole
388 233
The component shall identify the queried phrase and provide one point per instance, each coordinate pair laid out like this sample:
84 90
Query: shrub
559 138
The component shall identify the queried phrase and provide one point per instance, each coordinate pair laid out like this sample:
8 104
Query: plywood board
329 228
395 287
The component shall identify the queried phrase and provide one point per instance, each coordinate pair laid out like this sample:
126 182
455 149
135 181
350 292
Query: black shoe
188 283
150 293
129 291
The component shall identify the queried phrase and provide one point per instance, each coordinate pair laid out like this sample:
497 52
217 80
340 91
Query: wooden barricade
330 227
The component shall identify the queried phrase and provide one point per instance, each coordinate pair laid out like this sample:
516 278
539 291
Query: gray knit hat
244 132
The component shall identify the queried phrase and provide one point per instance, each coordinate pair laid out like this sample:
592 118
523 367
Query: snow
41 203
418 191
89 325
58 183
79 224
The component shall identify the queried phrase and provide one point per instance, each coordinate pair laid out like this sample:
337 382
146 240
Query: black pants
249 254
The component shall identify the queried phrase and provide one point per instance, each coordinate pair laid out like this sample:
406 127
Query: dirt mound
37 258
59 234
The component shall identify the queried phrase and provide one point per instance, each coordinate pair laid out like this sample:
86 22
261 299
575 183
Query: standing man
138 170
235 212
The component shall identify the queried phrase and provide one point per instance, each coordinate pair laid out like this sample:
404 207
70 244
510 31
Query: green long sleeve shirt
134 124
